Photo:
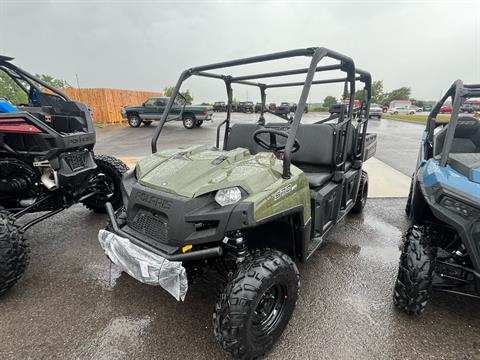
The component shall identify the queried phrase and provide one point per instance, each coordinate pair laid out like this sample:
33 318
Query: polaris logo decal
284 191
154 201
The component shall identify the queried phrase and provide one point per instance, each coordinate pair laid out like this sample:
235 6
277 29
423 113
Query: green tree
11 91
56 83
378 94
419 103
402 93
329 101
168 91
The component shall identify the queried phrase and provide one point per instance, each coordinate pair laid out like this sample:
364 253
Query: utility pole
78 83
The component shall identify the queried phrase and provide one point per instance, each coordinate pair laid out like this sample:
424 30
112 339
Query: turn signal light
186 248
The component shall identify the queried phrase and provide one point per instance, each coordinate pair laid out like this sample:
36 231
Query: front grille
75 160
152 225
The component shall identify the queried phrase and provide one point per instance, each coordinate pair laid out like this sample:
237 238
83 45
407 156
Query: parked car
446 109
415 108
245 106
152 109
272 107
467 109
399 110
219 106
258 107
283 109
375 111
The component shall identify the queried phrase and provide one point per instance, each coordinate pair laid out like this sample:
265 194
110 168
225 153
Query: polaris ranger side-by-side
266 199
46 164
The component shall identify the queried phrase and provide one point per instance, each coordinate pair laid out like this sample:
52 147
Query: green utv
251 209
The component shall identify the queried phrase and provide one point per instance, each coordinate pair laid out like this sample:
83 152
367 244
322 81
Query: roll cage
345 64
458 92
23 79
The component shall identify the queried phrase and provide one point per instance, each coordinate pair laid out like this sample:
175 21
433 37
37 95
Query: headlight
228 196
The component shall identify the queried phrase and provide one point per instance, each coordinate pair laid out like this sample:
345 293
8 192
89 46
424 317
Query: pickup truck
152 109
245 106
283 109
219 106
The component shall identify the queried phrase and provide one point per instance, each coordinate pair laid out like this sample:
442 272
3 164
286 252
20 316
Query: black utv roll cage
18 75
346 64
458 92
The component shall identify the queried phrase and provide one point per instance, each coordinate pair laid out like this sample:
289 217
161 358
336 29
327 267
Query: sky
145 45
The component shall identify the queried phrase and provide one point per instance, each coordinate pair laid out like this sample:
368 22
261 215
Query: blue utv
441 250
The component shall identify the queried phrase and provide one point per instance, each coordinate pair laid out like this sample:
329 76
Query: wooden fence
107 104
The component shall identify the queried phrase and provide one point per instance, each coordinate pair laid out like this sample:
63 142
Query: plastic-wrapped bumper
145 266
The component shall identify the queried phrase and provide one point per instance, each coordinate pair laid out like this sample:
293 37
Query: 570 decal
284 191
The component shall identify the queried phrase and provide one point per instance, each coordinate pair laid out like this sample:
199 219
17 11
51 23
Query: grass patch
418 119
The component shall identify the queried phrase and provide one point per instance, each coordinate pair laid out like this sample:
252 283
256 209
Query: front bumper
145 266
169 253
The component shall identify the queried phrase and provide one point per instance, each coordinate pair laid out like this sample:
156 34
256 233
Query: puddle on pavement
105 274
117 340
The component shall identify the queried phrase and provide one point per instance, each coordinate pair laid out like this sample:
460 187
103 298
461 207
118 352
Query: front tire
408 206
256 304
13 253
107 182
415 274
134 121
362 194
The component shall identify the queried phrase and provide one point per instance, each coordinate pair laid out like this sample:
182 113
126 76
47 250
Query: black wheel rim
134 121
270 310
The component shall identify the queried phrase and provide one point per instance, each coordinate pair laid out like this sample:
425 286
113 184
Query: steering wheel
273 146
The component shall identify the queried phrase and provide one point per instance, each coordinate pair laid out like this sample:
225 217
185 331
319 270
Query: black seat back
316 145
241 136
466 138
317 142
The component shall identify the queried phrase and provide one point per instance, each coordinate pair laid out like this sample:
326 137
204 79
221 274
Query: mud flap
145 266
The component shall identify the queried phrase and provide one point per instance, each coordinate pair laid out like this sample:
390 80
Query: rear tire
415 274
256 304
199 123
13 253
189 122
147 123
107 180
134 121
362 194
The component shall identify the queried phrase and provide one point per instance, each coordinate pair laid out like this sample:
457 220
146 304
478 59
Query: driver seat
315 156
241 136
466 138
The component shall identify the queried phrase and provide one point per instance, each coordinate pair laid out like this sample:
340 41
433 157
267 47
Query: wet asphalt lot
72 304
